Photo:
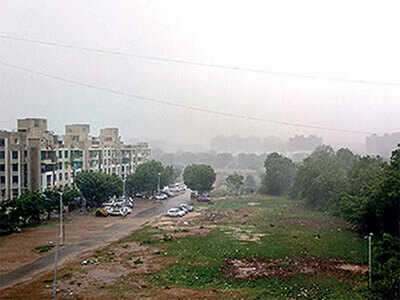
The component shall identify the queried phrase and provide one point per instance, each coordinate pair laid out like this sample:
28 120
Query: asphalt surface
28 271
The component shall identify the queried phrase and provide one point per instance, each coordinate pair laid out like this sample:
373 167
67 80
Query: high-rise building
33 158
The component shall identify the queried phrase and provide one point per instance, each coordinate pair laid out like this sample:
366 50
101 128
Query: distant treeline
236 144
216 160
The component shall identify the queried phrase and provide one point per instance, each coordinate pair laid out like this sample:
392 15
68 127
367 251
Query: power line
199 64
189 107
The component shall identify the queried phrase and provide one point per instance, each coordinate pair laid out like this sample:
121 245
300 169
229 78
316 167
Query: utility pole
60 241
158 185
124 188
62 235
370 259
55 272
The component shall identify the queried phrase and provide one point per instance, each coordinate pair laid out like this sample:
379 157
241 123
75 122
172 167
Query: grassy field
287 234
245 248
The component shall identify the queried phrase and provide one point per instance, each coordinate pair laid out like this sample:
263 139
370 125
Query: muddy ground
77 228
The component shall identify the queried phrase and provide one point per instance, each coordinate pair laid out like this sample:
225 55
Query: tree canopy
279 174
146 177
97 187
199 177
235 182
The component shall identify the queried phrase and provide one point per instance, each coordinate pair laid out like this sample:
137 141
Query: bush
386 269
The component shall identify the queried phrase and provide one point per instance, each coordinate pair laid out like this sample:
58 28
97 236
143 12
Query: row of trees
242 161
238 184
32 208
151 175
363 190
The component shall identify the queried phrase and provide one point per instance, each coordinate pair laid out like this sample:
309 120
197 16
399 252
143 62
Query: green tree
320 180
199 177
382 210
279 174
235 182
51 201
28 208
146 178
250 185
70 196
386 272
362 179
97 187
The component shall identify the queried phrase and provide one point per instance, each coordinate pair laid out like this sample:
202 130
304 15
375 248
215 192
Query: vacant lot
258 248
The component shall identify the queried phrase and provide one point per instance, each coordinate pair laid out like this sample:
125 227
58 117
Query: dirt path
83 234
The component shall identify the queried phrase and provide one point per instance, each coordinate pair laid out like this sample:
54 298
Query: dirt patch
243 232
78 227
250 269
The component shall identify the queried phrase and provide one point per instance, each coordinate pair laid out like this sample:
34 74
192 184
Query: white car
161 197
186 207
175 212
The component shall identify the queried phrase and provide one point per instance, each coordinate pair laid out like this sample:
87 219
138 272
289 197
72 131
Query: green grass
45 248
202 259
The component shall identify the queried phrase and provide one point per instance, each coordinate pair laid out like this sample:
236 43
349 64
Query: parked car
194 194
203 199
161 197
139 195
175 212
187 207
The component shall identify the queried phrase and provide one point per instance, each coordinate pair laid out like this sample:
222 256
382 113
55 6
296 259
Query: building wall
35 159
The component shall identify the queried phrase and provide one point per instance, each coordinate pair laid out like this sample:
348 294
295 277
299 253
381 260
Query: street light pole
158 186
370 259
62 235
124 188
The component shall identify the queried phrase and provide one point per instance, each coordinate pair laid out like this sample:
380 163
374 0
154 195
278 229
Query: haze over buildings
232 33
34 158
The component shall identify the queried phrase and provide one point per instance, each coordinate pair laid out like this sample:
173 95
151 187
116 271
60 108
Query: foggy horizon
322 44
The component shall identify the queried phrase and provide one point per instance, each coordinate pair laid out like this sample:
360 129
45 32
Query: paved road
117 231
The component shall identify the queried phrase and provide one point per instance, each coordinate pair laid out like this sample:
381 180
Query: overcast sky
356 40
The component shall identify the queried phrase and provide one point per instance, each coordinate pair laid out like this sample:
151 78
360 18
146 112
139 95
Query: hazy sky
346 39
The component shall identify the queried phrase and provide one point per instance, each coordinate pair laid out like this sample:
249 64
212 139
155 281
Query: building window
16 141
14 155
66 154
25 154
2 143
15 167
61 176
2 168
60 154
60 165
66 176
15 193
2 155
15 179
2 179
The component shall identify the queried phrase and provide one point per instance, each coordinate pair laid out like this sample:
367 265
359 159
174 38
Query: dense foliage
235 182
149 175
250 185
320 179
32 208
366 192
279 174
97 187
199 177
223 160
